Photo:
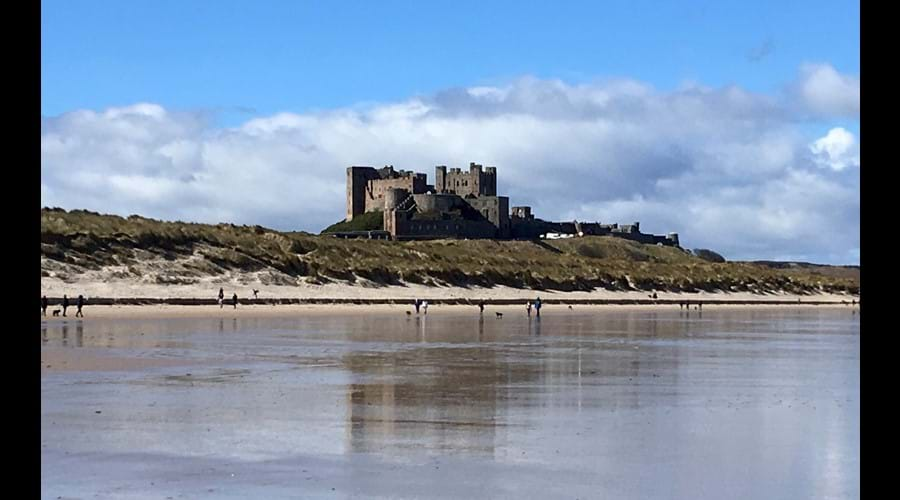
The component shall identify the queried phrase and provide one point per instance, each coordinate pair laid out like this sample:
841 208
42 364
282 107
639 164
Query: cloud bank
727 169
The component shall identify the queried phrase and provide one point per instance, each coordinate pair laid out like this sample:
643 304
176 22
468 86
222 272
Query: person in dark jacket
221 298
537 307
43 305
65 303
79 303
234 300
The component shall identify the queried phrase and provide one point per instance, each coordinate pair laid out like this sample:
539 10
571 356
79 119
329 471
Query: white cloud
726 168
826 92
837 150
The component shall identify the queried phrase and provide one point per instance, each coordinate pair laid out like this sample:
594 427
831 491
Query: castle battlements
461 204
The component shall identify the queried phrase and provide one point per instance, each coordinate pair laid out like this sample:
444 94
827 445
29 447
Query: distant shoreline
165 311
148 295
150 301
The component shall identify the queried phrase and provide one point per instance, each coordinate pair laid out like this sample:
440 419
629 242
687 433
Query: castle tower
440 176
393 197
357 179
475 174
489 182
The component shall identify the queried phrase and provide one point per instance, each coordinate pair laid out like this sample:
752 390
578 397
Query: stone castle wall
376 189
478 181
477 211
495 209
366 187
403 227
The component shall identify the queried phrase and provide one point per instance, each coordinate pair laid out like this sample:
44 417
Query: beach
367 290
323 401
267 310
155 296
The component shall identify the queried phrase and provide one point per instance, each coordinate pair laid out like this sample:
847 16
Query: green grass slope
369 221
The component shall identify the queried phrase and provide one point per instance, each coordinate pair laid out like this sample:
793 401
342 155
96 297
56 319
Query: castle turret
393 197
357 179
440 176
489 181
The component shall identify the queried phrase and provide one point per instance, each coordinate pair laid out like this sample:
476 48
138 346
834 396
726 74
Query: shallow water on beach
589 403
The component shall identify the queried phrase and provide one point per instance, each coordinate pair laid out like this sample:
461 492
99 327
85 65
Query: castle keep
459 205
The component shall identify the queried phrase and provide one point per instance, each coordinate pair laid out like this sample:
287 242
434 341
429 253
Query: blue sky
733 123
274 56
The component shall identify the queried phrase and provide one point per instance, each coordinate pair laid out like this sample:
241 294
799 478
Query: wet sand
364 402
163 311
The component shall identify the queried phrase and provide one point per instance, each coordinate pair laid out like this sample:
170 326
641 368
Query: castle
459 205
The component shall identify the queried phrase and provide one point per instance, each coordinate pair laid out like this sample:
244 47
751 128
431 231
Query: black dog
499 315
56 312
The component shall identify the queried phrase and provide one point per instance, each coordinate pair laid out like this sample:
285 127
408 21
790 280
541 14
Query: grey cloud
821 91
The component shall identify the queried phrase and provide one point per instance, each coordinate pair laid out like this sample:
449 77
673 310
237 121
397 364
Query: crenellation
462 205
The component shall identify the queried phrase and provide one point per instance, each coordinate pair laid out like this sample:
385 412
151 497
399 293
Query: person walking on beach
255 294
79 303
221 298
481 307
234 300
65 303
537 307
43 305
528 308
417 303
425 306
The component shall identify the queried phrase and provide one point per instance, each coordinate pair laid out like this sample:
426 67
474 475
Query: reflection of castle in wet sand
393 411
463 397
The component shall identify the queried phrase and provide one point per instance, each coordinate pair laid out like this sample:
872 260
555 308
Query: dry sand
54 287
129 289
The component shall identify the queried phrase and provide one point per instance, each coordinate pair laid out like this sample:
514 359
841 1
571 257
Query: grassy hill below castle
369 221
136 248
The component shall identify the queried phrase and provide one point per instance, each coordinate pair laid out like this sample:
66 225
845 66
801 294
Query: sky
735 124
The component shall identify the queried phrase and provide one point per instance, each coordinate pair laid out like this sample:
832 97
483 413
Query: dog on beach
499 315
56 312
408 313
